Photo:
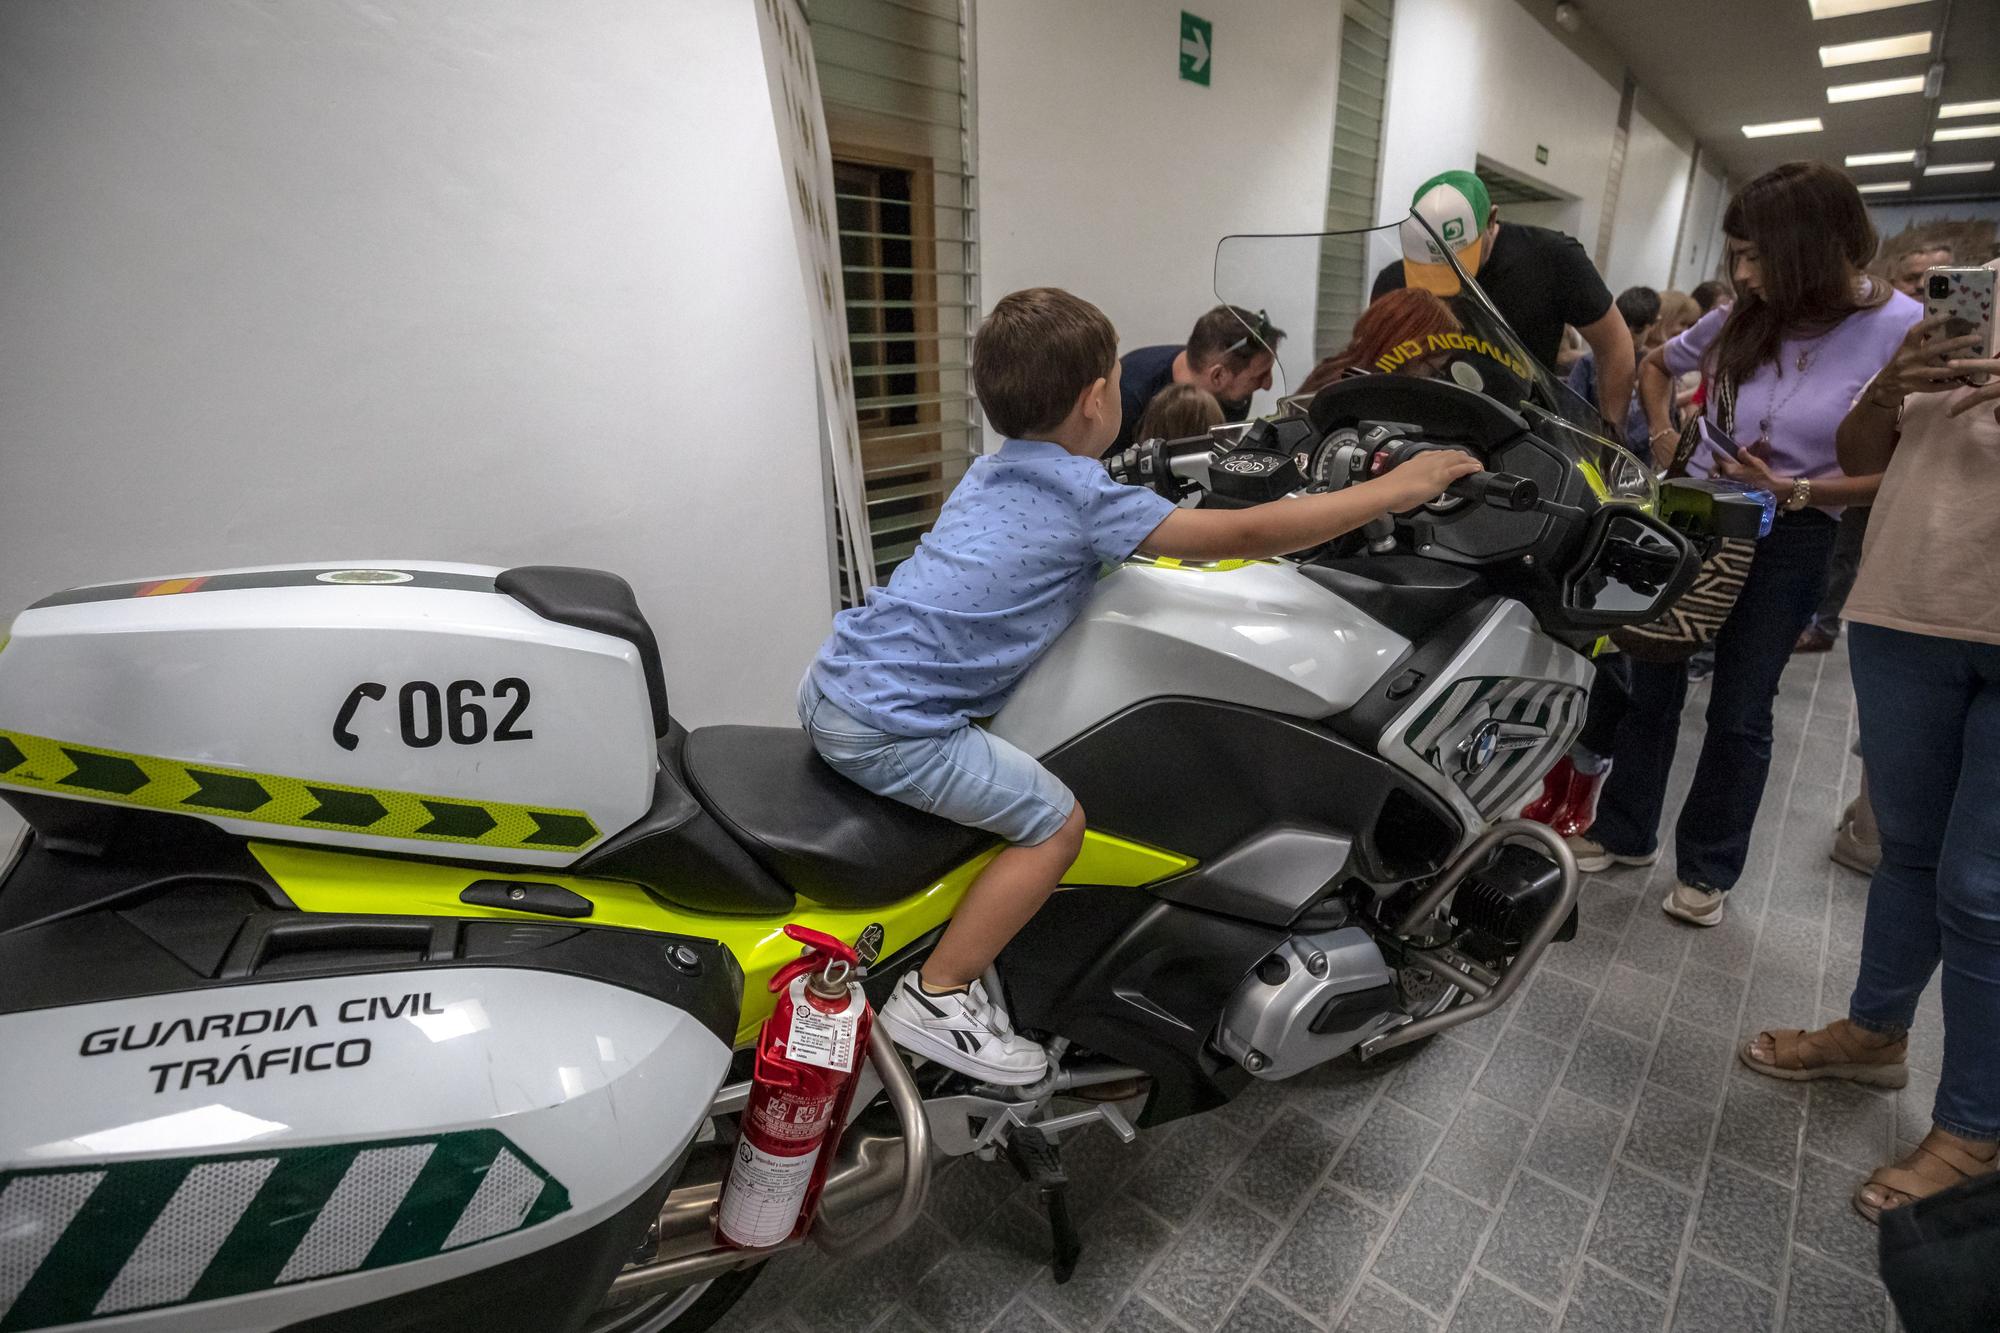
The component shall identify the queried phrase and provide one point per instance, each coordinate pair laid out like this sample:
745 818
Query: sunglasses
1260 333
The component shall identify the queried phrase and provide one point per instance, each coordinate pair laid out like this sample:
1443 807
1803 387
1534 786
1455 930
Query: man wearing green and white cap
1539 279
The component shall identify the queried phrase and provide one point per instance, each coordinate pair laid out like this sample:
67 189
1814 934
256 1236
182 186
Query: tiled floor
1590 1158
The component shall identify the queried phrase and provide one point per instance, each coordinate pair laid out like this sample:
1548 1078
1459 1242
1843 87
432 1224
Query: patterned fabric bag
1692 622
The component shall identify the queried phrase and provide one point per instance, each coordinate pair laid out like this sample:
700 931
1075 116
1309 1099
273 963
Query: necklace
1804 364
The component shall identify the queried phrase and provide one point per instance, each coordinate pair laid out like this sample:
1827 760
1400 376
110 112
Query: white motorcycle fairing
1258 634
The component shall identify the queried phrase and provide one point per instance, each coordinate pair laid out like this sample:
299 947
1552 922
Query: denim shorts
968 776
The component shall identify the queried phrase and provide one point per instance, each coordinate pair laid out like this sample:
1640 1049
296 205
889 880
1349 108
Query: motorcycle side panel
321 881
1506 683
1122 973
434 716
1259 634
254 1156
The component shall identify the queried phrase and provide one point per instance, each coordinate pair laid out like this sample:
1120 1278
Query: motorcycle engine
1498 906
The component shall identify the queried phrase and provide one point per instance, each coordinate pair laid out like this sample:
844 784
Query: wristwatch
1801 495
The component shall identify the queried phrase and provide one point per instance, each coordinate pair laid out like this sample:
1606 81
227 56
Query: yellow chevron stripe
87 772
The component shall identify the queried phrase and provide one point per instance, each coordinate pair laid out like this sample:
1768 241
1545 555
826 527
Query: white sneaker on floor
1591 857
964 1030
1697 907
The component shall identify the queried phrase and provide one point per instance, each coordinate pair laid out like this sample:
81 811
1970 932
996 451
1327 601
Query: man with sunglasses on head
1229 353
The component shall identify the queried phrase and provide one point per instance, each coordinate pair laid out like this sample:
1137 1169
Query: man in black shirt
1539 279
1229 353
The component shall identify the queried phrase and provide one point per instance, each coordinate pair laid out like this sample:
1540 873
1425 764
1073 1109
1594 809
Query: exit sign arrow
1196 48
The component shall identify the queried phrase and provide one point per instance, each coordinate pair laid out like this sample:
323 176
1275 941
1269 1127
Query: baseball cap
1456 206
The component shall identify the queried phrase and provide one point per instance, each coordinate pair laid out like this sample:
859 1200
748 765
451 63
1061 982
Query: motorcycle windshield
1285 290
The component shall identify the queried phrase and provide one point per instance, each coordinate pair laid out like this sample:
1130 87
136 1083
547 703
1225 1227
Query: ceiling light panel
1880 159
1840 9
1860 92
1809 125
1952 110
1885 187
1958 169
1953 132
1875 48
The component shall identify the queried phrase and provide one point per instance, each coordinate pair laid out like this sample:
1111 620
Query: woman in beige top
1926 659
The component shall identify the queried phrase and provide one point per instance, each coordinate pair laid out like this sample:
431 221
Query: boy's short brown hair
1037 350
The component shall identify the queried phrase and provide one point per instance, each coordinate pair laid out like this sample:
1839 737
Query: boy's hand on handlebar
1424 477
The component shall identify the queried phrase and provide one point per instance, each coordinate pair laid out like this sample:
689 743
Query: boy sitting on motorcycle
891 699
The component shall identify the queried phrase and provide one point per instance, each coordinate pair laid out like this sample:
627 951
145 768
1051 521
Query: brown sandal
1937 1164
1834 1051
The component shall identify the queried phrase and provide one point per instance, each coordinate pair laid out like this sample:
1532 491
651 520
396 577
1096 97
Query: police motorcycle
381 954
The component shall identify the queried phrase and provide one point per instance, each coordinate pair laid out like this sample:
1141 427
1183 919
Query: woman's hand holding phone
1750 468
1922 364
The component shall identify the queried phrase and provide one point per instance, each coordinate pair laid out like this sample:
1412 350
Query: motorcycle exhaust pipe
1488 992
868 1166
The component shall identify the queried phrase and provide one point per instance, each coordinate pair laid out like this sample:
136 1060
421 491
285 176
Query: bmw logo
1480 747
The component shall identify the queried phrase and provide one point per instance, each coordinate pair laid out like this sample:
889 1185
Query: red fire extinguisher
800 1087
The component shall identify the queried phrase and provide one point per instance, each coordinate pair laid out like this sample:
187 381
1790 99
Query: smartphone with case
1964 297
1719 440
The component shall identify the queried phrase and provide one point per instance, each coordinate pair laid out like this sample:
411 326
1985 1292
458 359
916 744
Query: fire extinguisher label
782 1117
826 1040
761 1204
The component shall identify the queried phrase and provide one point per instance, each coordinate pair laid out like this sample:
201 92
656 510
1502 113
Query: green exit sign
1197 46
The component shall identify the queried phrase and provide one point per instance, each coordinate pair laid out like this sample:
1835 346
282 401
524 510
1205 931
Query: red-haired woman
1392 336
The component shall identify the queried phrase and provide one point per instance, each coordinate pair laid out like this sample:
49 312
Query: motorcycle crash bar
1487 995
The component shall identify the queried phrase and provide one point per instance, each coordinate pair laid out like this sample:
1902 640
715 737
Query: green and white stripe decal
66 768
1555 707
85 1242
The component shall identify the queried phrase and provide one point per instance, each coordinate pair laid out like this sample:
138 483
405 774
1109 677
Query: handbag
1694 620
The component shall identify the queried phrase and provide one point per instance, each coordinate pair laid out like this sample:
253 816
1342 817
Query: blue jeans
967 775
1930 733
1712 838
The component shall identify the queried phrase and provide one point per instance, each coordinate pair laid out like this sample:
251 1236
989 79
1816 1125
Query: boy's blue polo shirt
1008 565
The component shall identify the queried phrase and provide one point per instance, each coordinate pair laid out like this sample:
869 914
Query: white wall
1648 217
1471 77
1101 171
1701 244
508 282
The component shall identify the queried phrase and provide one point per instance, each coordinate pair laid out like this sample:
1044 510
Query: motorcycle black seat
818 833
1406 593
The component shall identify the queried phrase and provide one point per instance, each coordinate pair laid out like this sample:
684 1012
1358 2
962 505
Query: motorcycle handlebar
1498 490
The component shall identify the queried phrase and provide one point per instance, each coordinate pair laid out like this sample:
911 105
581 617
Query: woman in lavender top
1807 331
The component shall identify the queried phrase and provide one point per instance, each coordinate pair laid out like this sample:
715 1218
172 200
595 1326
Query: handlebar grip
1498 490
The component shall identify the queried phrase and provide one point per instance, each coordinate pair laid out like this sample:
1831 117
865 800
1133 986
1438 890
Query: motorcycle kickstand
1039 1160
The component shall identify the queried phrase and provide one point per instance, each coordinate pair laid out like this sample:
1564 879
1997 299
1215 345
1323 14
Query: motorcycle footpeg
1036 1156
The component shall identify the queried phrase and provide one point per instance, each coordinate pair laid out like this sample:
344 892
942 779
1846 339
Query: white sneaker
964 1030
1591 856
1697 907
